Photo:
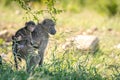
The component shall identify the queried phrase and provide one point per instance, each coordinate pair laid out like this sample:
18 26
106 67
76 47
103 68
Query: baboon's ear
44 22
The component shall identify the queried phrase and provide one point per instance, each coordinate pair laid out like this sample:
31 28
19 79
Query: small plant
35 14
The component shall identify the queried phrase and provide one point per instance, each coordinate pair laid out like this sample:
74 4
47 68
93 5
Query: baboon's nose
53 32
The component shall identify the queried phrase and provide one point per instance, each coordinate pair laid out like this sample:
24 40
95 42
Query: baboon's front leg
41 50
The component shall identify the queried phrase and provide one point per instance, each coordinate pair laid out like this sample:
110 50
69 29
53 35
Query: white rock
3 32
4 56
117 46
83 42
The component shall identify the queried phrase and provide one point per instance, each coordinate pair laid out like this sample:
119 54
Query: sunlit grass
70 64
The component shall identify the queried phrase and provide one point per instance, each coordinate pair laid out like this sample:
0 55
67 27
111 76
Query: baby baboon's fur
41 36
22 45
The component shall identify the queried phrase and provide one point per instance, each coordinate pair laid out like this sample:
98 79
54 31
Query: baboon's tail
0 60
15 60
14 50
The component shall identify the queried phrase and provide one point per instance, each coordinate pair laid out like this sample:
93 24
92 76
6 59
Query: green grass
70 64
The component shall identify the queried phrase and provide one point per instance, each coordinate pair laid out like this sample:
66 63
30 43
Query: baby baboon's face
31 28
49 26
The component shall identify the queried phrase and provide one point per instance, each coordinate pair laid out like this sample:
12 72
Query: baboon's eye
52 24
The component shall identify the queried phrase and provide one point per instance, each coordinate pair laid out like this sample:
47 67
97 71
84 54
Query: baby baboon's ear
26 23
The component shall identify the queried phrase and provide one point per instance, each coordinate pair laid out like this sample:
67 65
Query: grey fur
27 51
41 36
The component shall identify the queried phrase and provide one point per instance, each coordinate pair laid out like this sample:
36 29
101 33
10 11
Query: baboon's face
49 26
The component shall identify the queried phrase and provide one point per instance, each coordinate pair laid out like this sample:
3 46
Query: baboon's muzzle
53 32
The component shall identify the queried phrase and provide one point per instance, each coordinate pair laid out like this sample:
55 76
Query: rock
3 33
18 12
109 29
117 46
3 56
6 35
87 43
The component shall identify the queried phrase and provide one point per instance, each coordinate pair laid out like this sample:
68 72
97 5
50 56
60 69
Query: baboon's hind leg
31 62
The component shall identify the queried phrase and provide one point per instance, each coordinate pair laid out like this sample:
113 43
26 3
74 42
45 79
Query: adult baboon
41 36
22 45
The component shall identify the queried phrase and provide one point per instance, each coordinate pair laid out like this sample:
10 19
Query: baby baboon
22 44
41 35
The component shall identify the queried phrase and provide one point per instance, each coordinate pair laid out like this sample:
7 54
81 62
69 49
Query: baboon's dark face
31 28
49 26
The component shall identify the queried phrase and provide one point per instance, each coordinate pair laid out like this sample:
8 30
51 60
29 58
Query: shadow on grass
54 72
59 69
116 71
7 73
67 67
57 73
